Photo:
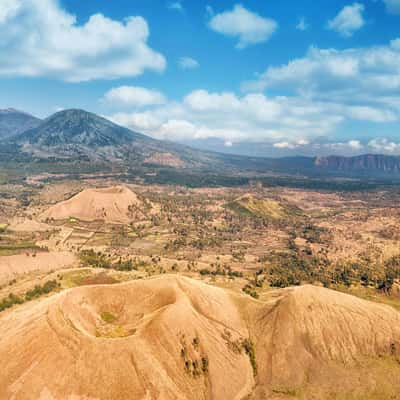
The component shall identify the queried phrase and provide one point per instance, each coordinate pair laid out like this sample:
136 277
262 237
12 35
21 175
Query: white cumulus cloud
248 26
134 96
290 124
188 63
363 82
291 145
393 6
39 38
384 145
302 25
176 6
349 20
355 144
232 118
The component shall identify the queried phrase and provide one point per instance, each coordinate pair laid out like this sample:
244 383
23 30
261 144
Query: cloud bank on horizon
293 81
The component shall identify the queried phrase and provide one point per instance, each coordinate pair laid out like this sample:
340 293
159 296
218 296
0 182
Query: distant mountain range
363 163
80 135
77 134
13 122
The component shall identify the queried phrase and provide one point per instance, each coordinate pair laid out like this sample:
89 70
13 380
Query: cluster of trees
40 290
292 268
381 275
192 180
250 290
37 291
176 244
200 243
206 241
9 301
95 259
226 271
195 367
295 266
312 233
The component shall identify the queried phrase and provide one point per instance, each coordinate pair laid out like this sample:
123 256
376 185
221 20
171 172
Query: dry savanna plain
112 290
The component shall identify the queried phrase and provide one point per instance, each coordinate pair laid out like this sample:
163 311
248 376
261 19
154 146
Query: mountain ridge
14 122
363 162
78 134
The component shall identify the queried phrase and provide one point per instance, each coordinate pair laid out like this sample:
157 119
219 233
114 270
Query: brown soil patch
166 159
13 266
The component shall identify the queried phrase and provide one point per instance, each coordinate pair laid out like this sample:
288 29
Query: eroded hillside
175 338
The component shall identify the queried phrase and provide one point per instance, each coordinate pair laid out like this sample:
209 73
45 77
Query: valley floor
209 293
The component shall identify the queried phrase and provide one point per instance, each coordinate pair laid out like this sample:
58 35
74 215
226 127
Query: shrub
10 301
39 290
124 265
248 347
204 364
250 291
93 259
107 317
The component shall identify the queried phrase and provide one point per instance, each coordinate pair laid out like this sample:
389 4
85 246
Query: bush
93 259
10 301
205 271
39 290
248 289
204 364
248 347
108 317
124 266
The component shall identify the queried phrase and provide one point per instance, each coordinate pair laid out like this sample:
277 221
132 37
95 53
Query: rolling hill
264 208
113 204
174 338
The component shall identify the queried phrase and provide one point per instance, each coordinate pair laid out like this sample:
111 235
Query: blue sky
257 77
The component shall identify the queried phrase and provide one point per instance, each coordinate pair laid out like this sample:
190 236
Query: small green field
12 249
108 317
262 208
371 294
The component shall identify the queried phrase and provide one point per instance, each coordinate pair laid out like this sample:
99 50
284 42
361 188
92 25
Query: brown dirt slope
13 266
317 343
28 225
108 204
143 340
129 341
